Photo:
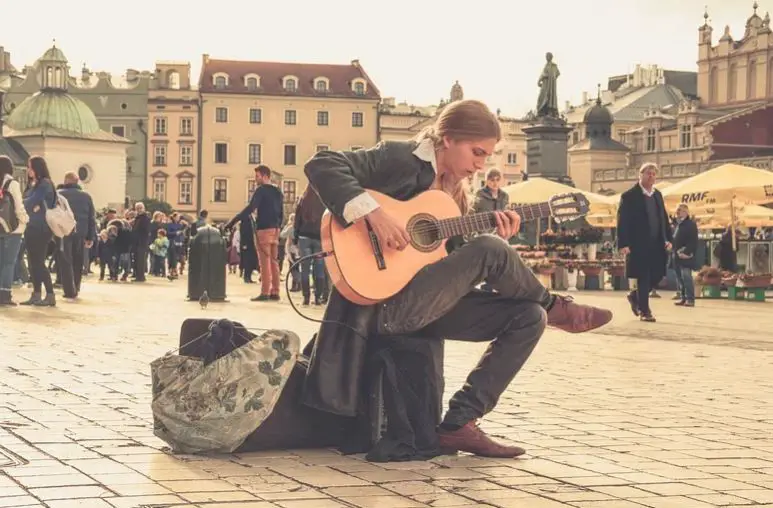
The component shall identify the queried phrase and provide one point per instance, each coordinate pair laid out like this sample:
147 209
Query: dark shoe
633 299
689 304
573 317
680 303
648 318
48 301
6 300
33 300
260 298
654 294
274 298
471 439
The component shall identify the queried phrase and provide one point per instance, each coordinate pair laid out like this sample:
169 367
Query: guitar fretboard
486 221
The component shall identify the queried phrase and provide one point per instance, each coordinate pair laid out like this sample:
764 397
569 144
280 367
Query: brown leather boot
473 440
573 317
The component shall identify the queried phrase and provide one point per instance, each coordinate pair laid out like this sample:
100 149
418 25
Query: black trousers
648 279
441 301
70 264
140 262
36 240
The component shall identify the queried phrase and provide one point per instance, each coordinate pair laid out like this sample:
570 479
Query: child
159 248
106 253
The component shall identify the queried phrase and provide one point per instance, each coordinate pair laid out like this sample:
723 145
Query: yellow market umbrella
746 216
721 185
539 190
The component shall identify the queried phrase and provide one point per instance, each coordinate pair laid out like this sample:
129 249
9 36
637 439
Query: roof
53 54
55 110
658 97
599 143
13 150
271 74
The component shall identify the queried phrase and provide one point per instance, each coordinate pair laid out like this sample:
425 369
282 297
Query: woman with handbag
13 220
40 197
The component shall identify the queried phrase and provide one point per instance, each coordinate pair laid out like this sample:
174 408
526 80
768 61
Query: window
174 80
186 126
512 158
290 191
323 148
253 153
685 136
322 118
159 155
650 140
290 117
321 86
185 193
220 188
159 189
159 125
84 173
252 84
256 115
221 115
186 155
291 85
221 153
251 186
118 130
290 155
357 119
621 134
575 137
221 82
359 88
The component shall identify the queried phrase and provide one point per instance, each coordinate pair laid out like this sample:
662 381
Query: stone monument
547 136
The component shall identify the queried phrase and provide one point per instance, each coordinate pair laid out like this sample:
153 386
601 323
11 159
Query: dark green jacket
336 366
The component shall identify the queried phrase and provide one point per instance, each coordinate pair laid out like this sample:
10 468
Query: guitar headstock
569 206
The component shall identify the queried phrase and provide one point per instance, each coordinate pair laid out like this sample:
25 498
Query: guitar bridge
376 246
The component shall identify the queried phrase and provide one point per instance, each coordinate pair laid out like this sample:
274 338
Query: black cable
313 256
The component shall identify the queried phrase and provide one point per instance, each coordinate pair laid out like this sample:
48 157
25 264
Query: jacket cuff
359 207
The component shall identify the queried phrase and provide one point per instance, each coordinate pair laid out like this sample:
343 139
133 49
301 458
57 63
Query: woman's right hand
388 230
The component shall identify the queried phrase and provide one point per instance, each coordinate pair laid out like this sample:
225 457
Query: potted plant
617 270
545 268
591 269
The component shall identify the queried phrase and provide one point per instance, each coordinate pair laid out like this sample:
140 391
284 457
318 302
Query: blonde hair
465 120
648 165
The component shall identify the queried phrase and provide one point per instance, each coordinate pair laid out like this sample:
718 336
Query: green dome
53 54
54 110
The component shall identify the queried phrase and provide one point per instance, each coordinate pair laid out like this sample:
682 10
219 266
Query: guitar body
366 273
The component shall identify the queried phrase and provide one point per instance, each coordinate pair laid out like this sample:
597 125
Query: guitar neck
486 221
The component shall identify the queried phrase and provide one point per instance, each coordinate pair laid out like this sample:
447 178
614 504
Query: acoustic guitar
366 272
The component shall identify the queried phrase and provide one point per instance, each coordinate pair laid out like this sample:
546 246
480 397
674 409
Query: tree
154 205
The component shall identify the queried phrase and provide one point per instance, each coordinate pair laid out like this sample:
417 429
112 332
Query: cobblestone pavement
672 414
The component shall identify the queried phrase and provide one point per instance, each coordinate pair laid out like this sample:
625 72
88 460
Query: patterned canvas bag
214 407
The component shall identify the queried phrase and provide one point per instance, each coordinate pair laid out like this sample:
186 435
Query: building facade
401 122
278 114
120 105
173 148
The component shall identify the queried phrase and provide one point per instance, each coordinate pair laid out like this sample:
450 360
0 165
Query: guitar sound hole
424 233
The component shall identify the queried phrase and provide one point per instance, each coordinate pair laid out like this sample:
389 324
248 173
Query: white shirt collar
646 192
426 152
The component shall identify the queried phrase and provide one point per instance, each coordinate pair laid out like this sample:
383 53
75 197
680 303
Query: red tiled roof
271 73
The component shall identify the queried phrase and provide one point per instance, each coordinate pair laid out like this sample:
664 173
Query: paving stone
633 415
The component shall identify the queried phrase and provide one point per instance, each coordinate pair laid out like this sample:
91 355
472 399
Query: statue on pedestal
547 104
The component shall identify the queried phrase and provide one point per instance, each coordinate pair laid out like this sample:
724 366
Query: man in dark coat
644 237
70 260
141 241
683 258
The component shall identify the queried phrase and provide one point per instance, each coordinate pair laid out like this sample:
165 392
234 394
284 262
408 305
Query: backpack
8 219
60 218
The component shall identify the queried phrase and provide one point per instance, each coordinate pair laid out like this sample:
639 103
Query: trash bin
207 261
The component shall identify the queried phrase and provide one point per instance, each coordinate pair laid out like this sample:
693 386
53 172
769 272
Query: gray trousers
441 301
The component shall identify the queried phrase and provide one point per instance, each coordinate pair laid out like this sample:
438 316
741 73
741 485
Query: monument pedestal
546 149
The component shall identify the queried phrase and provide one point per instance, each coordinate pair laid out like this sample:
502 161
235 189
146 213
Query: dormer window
321 85
220 81
359 87
290 84
252 82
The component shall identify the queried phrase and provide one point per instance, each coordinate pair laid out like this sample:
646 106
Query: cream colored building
684 121
401 121
278 114
64 130
173 133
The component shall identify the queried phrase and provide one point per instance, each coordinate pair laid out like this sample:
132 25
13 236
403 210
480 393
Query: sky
414 50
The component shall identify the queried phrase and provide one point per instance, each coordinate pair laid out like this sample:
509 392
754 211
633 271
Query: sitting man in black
440 301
